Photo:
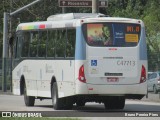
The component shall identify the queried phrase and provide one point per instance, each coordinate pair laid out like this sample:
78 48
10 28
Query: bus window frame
22 32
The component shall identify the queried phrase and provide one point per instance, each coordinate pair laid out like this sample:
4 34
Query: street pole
5 52
95 6
10 47
25 7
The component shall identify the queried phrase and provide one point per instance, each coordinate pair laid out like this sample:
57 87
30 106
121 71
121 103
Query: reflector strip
42 26
112 48
32 27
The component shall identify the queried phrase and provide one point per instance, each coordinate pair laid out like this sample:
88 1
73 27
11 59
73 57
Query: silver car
154 82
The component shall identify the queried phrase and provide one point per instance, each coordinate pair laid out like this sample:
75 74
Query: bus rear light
143 74
81 76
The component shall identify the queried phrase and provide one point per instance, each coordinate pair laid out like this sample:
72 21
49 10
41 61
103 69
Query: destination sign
81 3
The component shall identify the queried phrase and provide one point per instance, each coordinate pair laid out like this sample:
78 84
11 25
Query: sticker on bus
94 71
131 37
93 62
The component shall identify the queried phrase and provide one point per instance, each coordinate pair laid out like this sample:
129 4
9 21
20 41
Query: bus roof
70 16
70 20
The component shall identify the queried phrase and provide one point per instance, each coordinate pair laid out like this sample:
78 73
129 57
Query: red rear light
81 76
143 74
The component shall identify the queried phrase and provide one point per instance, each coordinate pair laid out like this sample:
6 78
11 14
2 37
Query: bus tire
29 100
68 103
109 104
56 102
120 103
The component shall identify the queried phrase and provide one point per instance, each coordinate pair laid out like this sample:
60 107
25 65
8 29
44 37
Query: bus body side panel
64 73
81 87
30 76
16 82
143 46
38 75
80 59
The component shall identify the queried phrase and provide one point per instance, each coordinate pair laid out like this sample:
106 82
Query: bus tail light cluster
143 74
81 75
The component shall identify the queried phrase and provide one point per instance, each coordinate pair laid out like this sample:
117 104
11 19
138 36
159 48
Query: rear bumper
113 90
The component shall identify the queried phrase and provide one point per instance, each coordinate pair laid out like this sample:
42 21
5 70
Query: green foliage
147 10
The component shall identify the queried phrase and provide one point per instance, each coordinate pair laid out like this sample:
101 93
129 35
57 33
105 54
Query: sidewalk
152 97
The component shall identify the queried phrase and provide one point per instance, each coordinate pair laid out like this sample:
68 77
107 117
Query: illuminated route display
133 28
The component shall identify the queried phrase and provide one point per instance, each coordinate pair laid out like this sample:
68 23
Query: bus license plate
112 79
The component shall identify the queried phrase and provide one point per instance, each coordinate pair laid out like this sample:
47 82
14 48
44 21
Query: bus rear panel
116 60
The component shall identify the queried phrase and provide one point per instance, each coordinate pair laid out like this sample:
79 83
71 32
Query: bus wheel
29 100
55 100
120 103
68 103
109 104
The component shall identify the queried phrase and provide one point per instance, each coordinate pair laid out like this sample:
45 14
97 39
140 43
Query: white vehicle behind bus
77 58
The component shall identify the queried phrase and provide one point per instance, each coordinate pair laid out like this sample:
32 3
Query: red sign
81 3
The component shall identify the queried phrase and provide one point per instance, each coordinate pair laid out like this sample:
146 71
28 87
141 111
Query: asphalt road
16 103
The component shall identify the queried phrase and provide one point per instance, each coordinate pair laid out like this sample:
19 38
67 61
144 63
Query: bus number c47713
125 63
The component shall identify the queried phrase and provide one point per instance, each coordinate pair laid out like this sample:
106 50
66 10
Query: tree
147 10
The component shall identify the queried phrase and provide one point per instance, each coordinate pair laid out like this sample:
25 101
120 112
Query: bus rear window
112 34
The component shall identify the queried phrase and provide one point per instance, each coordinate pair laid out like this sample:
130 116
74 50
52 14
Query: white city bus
77 58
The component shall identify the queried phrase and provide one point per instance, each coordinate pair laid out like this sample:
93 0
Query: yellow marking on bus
131 37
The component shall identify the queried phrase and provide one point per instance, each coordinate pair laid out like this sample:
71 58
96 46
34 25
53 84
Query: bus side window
25 44
16 44
51 43
70 46
33 43
18 47
60 43
42 43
